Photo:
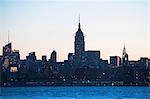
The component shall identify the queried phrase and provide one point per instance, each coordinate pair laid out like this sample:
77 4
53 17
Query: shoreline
38 84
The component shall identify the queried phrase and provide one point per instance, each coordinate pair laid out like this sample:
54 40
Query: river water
84 92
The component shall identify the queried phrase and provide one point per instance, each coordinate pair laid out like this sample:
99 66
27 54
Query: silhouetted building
79 48
31 56
149 64
148 71
15 56
30 61
144 62
11 62
71 59
1 58
14 62
44 58
92 58
32 66
53 56
124 57
53 62
115 60
7 49
81 68
70 56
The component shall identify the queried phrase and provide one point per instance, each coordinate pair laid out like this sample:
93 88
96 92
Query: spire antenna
124 49
79 17
79 22
124 46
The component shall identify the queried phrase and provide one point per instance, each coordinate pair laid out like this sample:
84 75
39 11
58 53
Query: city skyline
109 41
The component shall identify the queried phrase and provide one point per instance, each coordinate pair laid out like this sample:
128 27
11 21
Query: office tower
7 49
115 61
53 57
124 57
92 58
79 47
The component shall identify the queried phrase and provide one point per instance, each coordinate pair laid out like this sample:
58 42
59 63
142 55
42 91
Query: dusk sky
46 25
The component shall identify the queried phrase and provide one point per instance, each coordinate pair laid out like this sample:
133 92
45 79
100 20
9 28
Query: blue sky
46 25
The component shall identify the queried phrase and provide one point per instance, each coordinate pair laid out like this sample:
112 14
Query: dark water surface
96 92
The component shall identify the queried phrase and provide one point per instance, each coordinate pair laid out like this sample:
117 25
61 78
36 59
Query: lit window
6 63
13 69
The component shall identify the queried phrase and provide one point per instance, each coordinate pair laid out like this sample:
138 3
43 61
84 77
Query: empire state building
79 46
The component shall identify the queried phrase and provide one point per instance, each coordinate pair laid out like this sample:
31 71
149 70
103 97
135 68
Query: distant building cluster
81 67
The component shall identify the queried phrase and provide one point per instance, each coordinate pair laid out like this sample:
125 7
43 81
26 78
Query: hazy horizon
46 25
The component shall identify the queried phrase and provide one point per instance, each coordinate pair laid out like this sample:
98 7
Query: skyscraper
7 49
79 46
79 42
124 56
53 56
115 61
